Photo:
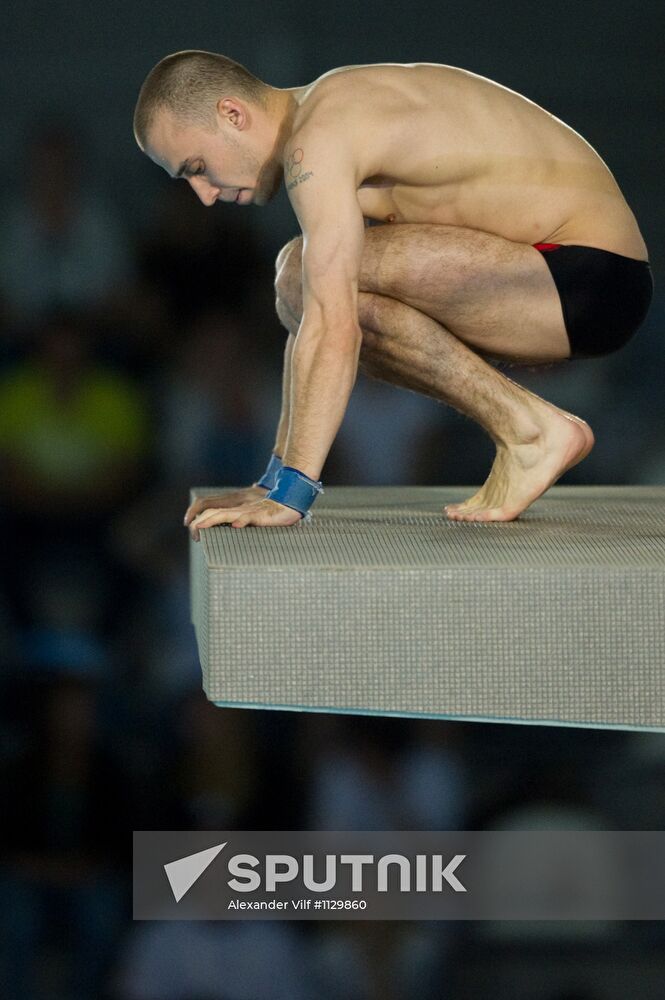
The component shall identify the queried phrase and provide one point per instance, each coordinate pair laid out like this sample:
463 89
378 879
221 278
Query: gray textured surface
382 605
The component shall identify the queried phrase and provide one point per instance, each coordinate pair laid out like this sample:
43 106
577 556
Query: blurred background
140 354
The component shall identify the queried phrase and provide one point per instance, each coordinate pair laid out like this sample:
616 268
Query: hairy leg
535 441
494 295
433 298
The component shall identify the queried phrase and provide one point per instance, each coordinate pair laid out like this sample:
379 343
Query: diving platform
381 605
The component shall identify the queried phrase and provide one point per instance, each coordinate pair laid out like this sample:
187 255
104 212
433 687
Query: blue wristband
268 478
295 489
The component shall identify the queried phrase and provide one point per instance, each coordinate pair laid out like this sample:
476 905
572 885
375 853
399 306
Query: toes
460 515
486 514
465 505
468 508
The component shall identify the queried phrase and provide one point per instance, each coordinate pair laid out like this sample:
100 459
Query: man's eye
199 170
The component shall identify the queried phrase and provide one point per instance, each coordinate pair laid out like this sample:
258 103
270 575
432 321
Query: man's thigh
495 295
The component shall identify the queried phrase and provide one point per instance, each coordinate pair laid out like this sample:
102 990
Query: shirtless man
503 235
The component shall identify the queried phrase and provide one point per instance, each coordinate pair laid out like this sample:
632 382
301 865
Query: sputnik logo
183 873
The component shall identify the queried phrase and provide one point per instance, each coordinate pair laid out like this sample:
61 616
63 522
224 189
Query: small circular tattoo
294 162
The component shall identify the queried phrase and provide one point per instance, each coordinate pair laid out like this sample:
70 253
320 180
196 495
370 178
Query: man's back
438 144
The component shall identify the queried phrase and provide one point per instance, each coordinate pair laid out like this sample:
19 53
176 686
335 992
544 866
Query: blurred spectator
73 434
61 243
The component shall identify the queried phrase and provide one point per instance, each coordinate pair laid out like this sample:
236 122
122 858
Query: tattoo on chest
293 169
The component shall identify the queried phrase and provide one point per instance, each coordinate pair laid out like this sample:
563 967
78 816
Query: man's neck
283 113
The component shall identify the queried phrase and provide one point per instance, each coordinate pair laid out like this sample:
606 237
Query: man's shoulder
348 97
320 107
331 120
343 95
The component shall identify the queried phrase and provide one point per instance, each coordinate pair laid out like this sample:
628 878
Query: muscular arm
321 359
324 357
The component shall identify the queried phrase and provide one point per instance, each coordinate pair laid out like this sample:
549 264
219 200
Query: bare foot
523 472
588 433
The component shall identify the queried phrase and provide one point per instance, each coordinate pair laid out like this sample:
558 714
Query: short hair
189 84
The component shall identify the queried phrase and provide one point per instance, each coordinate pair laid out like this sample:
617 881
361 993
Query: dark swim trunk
604 296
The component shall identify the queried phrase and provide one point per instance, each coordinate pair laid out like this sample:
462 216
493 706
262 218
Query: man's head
205 117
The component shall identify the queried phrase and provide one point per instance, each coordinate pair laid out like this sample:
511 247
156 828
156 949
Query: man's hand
224 500
264 513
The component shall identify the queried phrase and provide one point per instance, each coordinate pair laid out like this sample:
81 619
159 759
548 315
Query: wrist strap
268 478
294 489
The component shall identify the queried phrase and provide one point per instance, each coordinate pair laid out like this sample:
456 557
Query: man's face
225 165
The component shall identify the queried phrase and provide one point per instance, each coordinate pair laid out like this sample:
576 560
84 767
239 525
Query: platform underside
380 605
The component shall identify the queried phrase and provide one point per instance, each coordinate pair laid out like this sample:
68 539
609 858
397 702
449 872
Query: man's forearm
324 366
283 425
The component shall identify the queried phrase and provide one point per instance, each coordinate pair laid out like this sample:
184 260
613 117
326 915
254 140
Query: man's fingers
197 507
263 513
206 513
194 509
211 516
226 501
267 518
208 518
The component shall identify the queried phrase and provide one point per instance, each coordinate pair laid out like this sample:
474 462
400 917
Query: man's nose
206 192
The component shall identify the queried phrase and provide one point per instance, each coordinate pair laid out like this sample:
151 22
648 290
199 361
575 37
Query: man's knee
288 263
288 281
288 291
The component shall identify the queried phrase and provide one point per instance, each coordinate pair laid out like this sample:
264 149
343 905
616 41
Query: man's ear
234 111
